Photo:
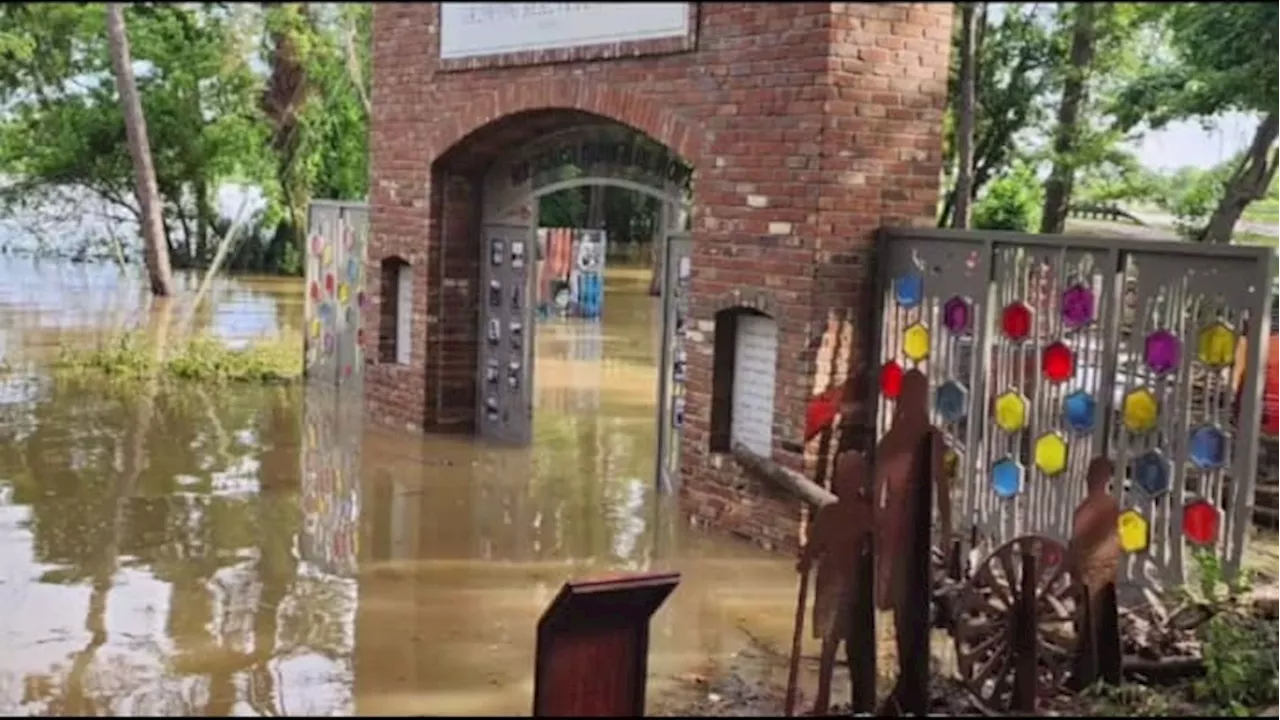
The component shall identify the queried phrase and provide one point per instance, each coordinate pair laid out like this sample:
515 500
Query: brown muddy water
164 557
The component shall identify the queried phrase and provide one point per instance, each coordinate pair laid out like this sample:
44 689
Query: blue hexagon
951 401
1078 411
1006 478
1208 447
908 290
1151 473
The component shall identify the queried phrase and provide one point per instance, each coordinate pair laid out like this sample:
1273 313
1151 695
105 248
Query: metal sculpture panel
1045 352
335 293
333 415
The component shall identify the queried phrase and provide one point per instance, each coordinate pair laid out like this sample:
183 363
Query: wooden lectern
593 646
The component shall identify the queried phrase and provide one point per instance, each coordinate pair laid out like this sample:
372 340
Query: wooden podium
593 646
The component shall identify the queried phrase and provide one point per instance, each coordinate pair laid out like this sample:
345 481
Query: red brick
831 110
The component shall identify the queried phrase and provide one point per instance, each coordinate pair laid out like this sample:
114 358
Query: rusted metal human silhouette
908 460
896 468
839 541
1094 553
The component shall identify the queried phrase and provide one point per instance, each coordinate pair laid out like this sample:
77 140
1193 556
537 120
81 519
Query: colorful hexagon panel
1058 363
915 342
1078 409
1140 411
1015 321
957 315
1207 448
908 290
1006 478
1051 453
1201 522
891 379
1162 352
951 400
1011 411
1077 307
1216 346
1151 473
1135 532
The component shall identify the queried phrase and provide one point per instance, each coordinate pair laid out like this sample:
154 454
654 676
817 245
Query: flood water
167 556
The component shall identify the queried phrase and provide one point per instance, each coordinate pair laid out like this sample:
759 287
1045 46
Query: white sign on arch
479 29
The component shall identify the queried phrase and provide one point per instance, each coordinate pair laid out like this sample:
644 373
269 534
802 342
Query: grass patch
200 359
1248 238
1266 210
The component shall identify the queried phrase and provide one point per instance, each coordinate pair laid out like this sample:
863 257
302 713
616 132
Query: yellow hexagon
1140 411
950 462
315 328
1216 346
1011 411
1051 454
1134 532
344 293
915 342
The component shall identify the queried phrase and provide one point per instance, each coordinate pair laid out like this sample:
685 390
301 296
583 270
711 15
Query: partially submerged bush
200 359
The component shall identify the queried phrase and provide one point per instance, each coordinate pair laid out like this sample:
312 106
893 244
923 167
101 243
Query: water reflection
44 303
254 551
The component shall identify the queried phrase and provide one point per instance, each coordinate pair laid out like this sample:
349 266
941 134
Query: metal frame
1163 265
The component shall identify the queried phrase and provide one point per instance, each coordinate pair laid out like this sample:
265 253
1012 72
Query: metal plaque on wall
504 397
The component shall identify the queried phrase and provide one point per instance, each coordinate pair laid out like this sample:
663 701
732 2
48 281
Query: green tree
1219 59
1011 202
972 17
155 250
65 127
1015 62
297 131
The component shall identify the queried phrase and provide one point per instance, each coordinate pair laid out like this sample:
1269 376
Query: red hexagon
1058 363
1200 522
1015 321
891 379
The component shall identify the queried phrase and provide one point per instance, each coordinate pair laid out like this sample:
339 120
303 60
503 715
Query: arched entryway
494 181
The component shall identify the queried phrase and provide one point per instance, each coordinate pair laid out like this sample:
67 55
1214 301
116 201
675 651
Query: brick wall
808 125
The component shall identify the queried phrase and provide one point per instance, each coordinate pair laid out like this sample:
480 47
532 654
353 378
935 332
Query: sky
1188 143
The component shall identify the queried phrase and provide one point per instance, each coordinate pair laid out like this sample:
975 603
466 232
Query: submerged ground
167 557
179 555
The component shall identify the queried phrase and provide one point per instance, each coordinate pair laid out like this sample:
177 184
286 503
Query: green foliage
204 101
1117 178
1218 58
206 360
1240 658
1015 62
1191 195
1011 202
1239 649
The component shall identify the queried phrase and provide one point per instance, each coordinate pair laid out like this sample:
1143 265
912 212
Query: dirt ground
752 683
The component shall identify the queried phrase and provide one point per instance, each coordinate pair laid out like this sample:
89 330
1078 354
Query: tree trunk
1057 189
968 107
1249 182
155 248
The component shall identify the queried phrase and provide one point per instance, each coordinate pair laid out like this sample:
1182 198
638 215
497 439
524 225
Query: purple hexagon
1162 351
1077 307
956 315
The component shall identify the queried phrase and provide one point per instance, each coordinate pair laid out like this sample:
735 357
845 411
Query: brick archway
808 125
484 139
489 110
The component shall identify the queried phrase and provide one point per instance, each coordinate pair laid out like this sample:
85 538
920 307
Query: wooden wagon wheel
992 635
945 586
